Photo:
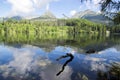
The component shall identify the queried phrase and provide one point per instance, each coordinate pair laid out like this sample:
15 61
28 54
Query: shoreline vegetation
58 27
61 26
77 31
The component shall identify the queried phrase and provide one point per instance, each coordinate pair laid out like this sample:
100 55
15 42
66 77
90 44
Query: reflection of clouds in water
95 63
94 59
99 61
110 50
60 50
22 62
26 62
111 54
96 66
50 73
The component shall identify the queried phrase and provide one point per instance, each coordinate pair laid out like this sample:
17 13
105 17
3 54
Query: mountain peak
88 11
16 17
84 13
92 16
48 14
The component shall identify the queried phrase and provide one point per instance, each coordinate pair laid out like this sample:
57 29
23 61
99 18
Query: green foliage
117 18
82 25
11 21
71 26
1 25
52 38
115 29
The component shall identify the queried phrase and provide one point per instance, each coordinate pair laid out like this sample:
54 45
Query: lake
44 57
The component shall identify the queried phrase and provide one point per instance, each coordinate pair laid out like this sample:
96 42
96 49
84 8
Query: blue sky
32 8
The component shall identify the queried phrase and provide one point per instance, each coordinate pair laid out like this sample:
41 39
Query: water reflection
113 73
28 62
49 41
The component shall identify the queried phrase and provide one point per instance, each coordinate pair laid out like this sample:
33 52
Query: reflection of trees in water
113 73
83 41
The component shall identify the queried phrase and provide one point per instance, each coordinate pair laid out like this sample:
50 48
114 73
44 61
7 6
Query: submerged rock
90 51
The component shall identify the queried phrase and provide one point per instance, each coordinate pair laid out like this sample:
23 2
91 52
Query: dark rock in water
90 51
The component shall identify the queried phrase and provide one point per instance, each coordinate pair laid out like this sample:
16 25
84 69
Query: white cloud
96 1
92 5
19 6
27 6
99 12
47 7
73 12
41 3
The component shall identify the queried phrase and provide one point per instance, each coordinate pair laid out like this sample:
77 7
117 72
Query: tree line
72 26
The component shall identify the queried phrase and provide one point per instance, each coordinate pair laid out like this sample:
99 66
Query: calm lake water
27 57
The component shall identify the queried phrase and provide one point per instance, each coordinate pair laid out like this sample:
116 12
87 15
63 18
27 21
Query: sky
32 8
